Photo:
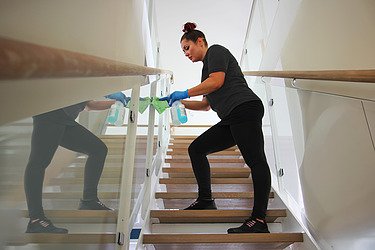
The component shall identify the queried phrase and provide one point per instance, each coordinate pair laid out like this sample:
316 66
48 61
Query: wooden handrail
325 75
21 60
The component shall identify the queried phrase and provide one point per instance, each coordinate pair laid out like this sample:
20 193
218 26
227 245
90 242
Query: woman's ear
200 41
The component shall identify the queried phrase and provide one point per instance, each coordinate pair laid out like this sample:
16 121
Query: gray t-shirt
235 90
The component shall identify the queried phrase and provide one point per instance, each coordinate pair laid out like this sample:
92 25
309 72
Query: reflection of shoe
44 225
95 204
202 205
250 226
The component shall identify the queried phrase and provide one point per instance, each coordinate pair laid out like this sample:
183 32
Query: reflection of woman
225 90
59 128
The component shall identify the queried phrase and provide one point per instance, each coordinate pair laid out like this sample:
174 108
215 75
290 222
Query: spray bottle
116 114
178 113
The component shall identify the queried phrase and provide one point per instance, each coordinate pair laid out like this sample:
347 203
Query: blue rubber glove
175 96
119 96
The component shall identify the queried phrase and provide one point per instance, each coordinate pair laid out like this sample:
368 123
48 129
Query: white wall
331 136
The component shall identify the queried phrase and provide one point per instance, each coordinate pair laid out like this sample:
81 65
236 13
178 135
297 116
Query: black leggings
248 136
46 137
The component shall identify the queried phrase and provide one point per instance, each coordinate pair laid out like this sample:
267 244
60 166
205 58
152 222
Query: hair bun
189 27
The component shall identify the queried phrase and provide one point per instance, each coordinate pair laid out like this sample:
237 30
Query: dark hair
191 34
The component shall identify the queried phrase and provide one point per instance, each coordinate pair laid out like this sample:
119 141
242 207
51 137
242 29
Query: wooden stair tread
213 181
83 238
185 146
213 170
211 216
222 238
217 172
185 152
218 160
232 155
216 195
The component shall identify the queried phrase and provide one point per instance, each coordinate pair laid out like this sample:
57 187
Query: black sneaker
250 226
202 205
44 225
95 204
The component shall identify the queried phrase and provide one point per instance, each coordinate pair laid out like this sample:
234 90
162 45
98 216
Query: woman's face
194 51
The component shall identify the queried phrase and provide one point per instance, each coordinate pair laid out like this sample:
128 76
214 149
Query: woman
225 90
56 128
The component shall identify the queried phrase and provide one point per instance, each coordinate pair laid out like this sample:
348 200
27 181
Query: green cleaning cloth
160 106
143 104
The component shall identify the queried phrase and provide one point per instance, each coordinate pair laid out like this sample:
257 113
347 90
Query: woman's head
193 42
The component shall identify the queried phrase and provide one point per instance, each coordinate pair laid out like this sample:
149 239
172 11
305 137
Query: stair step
209 157
79 238
216 195
213 181
186 145
78 216
218 172
273 240
213 170
185 152
211 216
220 160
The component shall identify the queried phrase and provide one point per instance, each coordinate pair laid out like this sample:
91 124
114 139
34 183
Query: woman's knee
99 150
195 148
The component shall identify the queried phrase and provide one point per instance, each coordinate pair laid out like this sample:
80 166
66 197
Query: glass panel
14 153
256 84
73 172
286 99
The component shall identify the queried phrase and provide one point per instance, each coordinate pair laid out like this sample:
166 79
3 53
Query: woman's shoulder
217 47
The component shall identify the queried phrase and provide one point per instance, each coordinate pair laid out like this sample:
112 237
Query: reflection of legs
79 139
44 142
215 139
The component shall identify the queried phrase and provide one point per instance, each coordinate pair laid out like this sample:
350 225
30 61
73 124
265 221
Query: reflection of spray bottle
116 114
178 113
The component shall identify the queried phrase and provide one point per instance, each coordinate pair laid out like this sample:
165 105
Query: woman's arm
99 105
197 105
213 82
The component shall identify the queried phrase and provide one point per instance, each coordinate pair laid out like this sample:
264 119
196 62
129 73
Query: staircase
171 228
232 188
